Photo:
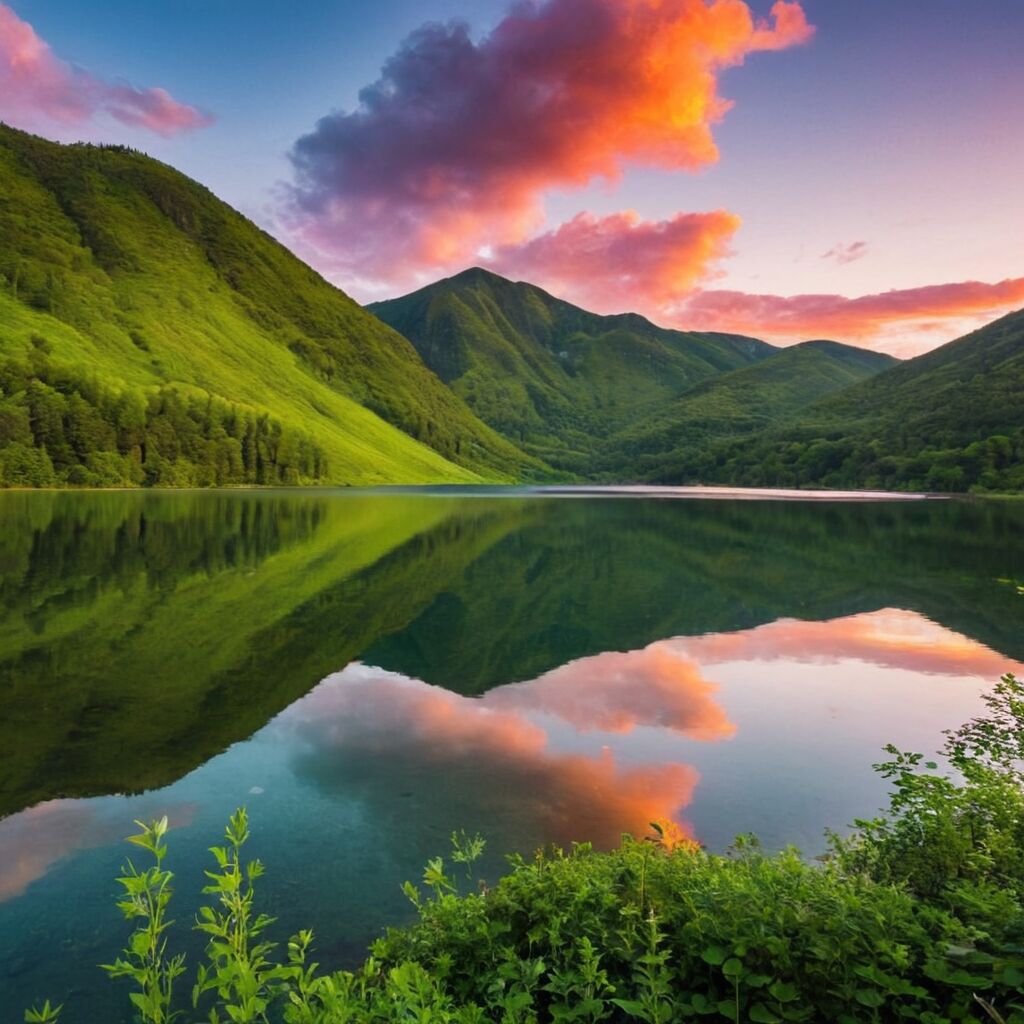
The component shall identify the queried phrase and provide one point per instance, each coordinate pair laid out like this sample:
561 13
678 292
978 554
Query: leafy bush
917 916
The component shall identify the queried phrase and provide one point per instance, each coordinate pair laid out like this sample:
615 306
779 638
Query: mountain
151 334
550 376
949 420
741 402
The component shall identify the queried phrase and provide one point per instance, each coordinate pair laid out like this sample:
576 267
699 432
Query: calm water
367 672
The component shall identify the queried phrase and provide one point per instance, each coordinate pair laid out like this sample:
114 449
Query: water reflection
369 735
888 638
143 633
615 692
365 777
33 842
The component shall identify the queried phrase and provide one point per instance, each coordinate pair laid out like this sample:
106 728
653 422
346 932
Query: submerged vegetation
917 915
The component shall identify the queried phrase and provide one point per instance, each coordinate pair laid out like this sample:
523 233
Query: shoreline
693 492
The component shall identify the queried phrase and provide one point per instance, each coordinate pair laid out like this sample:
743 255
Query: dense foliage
137 276
60 428
991 464
916 916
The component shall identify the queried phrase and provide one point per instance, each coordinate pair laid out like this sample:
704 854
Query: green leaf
714 955
760 1014
869 997
784 991
733 968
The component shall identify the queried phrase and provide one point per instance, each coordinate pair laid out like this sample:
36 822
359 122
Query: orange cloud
616 692
366 729
891 638
454 146
803 316
36 86
620 262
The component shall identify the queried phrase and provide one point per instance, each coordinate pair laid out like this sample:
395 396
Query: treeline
993 464
60 427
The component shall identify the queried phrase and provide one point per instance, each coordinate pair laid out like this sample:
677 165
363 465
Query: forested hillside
131 298
550 376
739 403
150 335
949 420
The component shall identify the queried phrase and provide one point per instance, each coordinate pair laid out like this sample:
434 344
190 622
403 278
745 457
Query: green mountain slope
550 376
949 420
149 333
741 402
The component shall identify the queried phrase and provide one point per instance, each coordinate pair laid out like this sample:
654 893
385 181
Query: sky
795 169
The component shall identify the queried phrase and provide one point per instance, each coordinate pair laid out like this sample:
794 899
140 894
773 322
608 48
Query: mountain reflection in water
369 673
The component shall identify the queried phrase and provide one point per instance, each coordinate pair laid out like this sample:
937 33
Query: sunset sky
829 168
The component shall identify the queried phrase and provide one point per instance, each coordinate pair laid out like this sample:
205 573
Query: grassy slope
743 401
546 374
137 275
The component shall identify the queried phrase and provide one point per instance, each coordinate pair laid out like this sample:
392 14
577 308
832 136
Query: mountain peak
476 274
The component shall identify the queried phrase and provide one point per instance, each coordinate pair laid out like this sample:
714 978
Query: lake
368 672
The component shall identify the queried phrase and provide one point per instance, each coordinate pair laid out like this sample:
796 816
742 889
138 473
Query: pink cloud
620 262
803 316
453 148
658 686
889 638
365 723
843 253
36 87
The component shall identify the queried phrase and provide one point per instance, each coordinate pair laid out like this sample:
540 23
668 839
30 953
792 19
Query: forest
58 427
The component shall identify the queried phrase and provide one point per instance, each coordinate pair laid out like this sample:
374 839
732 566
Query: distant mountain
741 402
151 334
949 420
550 376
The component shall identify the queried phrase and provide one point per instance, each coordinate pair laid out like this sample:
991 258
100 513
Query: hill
151 334
550 376
742 402
949 420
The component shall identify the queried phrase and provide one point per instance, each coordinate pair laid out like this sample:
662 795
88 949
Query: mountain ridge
548 375
949 420
151 335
